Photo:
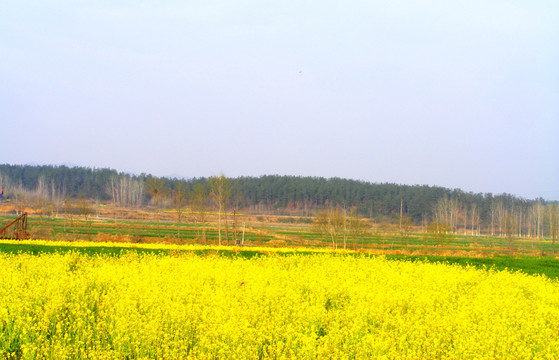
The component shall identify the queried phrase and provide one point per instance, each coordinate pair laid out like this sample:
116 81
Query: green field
292 233
528 255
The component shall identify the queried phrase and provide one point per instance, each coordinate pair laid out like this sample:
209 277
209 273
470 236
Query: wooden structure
17 229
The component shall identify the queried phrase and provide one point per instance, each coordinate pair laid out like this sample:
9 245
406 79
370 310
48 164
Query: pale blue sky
461 94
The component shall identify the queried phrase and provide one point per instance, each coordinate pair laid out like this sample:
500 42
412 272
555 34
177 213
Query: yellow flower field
189 247
296 306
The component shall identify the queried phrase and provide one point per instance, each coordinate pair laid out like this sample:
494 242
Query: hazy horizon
452 94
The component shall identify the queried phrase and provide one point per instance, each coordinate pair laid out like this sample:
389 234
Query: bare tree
519 217
509 227
179 199
401 212
69 211
500 214
125 190
83 207
492 211
553 224
358 227
41 190
474 217
331 223
446 214
238 220
158 191
199 203
221 191
536 219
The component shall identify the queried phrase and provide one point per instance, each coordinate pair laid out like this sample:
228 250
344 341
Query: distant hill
267 194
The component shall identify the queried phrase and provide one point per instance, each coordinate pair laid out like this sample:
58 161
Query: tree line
434 208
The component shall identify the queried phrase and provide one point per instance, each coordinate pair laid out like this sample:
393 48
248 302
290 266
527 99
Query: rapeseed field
297 306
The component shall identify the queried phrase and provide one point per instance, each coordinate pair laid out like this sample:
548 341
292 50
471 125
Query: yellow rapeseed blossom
187 247
300 306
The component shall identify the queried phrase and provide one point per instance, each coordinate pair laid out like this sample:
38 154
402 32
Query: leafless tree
446 213
553 213
178 196
221 192
475 219
125 190
358 227
200 203
330 222
509 227
158 191
500 215
535 219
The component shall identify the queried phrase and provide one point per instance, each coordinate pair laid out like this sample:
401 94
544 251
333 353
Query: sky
460 94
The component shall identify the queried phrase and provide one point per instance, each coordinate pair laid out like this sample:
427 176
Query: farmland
137 288
185 301
278 231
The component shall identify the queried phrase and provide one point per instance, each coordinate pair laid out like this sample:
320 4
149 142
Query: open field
177 302
531 265
130 289
279 231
